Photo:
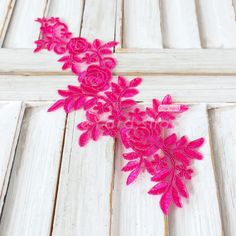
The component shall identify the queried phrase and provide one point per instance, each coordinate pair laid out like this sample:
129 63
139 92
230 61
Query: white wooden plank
179 24
234 5
142 24
29 201
23 30
69 11
83 203
6 8
99 20
134 211
217 23
119 24
200 214
11 117
168 61
213 89
224 139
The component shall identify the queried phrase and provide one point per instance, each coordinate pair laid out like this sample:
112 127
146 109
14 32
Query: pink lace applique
112 111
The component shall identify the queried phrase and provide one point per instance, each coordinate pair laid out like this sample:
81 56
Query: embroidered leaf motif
181 187
176 198
111 110
196 143
161 174
158 188
130 166
133 175
83 140
130 156
165 202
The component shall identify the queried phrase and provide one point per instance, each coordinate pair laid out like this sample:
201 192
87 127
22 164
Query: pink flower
77 45
95 79
143 138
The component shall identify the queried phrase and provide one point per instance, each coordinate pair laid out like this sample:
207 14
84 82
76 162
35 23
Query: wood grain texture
30 197
119 24
179 24
192 89
69 11
134 211
200 214
99 20
217 23
234 5
141 24
11 117
223 137
23 30
168 61
83 203
6 9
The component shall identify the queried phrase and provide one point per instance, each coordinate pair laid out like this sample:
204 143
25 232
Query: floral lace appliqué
111 110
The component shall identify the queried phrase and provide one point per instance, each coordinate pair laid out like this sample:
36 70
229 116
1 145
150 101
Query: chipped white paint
224 138
142 27
83 202
200 214
179 24
191 89
6 9
168 61
84 205
217 23
30 197
99 20
69 11
23 30
11 114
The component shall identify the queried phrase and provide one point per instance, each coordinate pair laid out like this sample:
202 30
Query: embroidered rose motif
77 45
143 138
95 79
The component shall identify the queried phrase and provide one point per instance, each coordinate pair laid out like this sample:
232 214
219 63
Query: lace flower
111 110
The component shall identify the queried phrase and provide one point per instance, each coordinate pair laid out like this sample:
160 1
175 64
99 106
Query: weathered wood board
51 186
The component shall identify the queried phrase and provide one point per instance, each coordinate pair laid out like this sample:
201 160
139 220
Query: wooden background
50 186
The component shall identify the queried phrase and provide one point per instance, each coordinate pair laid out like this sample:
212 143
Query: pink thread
111 111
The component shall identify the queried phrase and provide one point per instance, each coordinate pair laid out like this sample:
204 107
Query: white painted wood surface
99 20
138 22
23 30
223 143
217 23
11 114
134 212
191 89
6 8
29 203
69 11
200 214
179 24
83 202
142 26
168 61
